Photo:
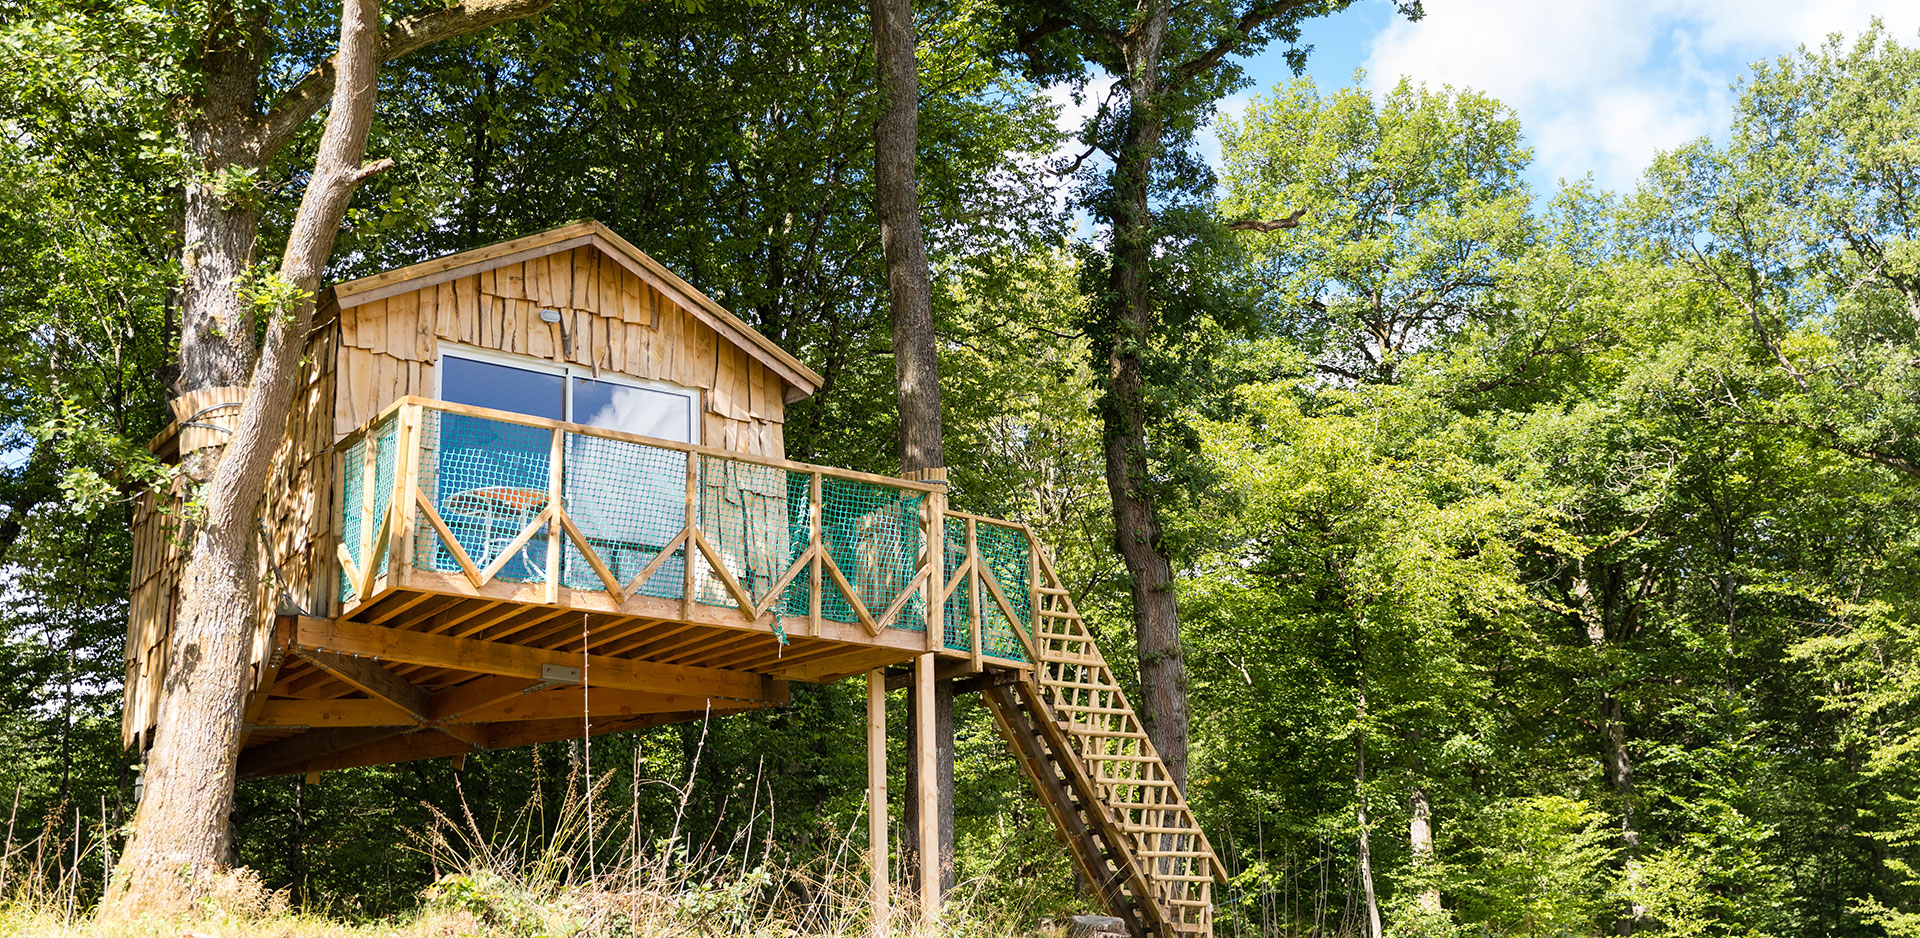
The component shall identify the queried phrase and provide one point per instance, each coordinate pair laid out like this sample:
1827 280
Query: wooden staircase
1078 740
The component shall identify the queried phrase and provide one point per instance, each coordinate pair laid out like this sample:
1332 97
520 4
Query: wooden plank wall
611 321
156 570
296 516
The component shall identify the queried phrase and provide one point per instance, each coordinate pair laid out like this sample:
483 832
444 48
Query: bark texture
180 828
222 127
1606 616
896 143
1136 519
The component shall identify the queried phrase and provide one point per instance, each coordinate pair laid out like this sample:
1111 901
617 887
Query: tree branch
403 36
1257 15
1061 15
1275 224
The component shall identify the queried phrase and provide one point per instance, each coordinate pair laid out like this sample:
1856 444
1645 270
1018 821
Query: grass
531 876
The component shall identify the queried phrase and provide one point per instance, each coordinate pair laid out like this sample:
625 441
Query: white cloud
1602 86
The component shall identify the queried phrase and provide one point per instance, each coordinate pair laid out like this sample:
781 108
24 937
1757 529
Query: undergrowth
548 871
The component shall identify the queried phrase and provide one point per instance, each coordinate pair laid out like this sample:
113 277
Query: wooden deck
450 638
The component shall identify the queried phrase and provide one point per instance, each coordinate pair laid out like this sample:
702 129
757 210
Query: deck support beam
881 886
927 790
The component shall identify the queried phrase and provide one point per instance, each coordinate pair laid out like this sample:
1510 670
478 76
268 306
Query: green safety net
1008 559
1004 553
630 501
872 533
489 479
354 520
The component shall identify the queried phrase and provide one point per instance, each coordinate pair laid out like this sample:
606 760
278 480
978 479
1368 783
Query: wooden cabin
538 489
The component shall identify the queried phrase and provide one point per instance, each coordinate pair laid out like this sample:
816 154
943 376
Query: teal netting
872 532
746 514
385 461
351 492
1006 555
488 480
1004 552
630 500
954 617
353 517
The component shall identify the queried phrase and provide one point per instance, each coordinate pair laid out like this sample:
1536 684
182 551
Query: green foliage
1410 213
1536 867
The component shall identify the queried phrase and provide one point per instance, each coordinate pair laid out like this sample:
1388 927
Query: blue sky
1600 86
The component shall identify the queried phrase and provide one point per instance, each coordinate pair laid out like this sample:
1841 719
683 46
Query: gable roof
379 286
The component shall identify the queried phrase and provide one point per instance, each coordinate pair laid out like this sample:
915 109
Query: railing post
936 569
406 461
974 593
554 507
816 513
689 551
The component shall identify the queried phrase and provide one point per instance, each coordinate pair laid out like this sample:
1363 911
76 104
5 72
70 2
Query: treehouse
538 489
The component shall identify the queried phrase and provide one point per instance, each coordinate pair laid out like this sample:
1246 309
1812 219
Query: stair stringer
1096 849
1153 825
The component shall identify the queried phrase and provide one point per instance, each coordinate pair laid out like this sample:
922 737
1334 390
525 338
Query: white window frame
568 372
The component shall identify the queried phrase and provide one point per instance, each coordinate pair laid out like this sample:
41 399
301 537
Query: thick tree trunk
1130 322
222 126
896 142
180 828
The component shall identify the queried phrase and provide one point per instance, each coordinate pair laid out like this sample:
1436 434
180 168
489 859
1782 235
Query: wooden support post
554 508
881 885
927 792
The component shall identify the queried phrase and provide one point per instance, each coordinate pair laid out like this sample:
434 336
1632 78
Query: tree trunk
1130 325
1363 848
180 827
1601 623
222 126
896 142
1420 842
1420 830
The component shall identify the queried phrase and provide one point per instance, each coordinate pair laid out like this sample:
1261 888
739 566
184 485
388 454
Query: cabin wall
296 515
157 557
611 320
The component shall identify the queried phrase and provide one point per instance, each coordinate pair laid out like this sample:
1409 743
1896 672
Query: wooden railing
491 497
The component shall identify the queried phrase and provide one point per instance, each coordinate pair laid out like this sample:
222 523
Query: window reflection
644 411
502 387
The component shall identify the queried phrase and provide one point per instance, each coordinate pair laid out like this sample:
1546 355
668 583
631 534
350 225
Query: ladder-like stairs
1080 743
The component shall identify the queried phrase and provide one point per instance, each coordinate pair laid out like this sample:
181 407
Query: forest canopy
1546 561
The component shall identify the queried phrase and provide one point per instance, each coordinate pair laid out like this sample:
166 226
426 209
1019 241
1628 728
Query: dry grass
571 869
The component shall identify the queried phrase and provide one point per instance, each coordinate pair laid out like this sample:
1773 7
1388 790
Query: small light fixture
549 315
